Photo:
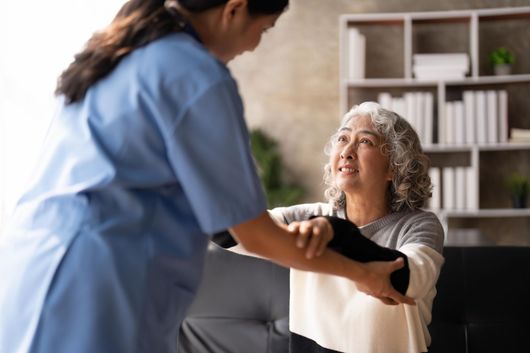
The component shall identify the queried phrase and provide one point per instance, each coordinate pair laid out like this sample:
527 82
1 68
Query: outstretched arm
341 235
265 238
349 241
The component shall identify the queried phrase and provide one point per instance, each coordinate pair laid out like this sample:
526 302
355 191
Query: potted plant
518 186
270 167
502 59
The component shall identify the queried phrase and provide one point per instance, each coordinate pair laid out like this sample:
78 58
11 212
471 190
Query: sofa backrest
483 301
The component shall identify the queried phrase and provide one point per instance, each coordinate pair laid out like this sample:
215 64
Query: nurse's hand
313 235
377 282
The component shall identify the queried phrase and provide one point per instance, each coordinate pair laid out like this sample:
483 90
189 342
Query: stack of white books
452 66
416 107
480 118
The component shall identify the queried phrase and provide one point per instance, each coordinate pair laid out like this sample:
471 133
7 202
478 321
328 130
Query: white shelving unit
407 20
406 24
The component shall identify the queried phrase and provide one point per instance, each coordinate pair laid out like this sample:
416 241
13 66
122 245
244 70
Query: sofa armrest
241 306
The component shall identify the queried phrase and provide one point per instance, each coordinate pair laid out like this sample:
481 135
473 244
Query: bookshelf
392 42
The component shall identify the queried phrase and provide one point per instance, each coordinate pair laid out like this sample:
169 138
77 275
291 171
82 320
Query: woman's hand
313 234
377 282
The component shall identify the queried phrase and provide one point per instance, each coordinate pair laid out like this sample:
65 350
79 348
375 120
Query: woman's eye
341 139
366 141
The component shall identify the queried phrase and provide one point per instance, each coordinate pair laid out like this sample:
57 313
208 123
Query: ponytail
136 24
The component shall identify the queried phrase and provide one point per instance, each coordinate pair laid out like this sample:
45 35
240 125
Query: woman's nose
348 152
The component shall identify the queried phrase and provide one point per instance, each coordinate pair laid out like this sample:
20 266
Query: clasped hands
315 234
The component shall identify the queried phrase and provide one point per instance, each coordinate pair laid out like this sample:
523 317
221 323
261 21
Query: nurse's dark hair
136 24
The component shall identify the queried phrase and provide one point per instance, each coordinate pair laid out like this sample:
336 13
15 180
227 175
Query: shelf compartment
514 36
384 45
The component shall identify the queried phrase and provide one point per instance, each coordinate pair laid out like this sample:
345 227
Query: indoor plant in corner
518 186
270 166
501 59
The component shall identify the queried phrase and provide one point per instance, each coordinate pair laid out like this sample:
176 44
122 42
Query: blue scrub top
104 252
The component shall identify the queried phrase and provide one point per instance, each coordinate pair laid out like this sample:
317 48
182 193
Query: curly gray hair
411 184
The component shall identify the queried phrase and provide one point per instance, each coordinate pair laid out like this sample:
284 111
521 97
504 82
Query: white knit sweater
332 314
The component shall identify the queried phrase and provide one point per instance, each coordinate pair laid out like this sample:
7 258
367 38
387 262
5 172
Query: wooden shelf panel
436 148
412 82
493 14
486 213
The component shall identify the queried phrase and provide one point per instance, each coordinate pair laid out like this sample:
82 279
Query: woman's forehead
357 122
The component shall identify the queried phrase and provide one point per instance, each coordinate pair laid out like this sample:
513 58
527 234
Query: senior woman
378 179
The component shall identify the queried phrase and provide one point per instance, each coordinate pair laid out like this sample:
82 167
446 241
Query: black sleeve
349 241
224 239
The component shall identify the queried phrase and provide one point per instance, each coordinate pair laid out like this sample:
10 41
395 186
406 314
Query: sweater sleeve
349 241
425 265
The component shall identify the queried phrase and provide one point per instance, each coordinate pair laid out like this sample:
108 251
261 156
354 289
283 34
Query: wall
290 83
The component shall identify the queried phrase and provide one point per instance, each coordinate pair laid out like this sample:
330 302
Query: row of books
454 188
481 117
417 108
449 66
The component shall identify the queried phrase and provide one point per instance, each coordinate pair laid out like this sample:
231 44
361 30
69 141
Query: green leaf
270 168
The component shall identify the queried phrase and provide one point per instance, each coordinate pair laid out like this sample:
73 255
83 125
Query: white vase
502 69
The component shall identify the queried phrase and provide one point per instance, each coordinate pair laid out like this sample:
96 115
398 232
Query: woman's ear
234 9
390 174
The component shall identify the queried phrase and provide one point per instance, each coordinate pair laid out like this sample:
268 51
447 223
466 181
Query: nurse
147 157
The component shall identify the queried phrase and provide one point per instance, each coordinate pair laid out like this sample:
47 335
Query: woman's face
246 35
357 163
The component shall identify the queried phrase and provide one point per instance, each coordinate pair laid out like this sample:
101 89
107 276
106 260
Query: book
460 188
441 59
472 199
419 119
450 66
428 117
519 135
450 128
398 106
492 117
448 188
356 54
410 107
469 116
441 125
435 202
459 123
438 73
503 115
385 100
482 119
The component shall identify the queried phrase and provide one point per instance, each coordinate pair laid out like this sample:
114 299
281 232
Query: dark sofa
483 301
482 305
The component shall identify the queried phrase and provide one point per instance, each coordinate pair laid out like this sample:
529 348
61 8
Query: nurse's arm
267 239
